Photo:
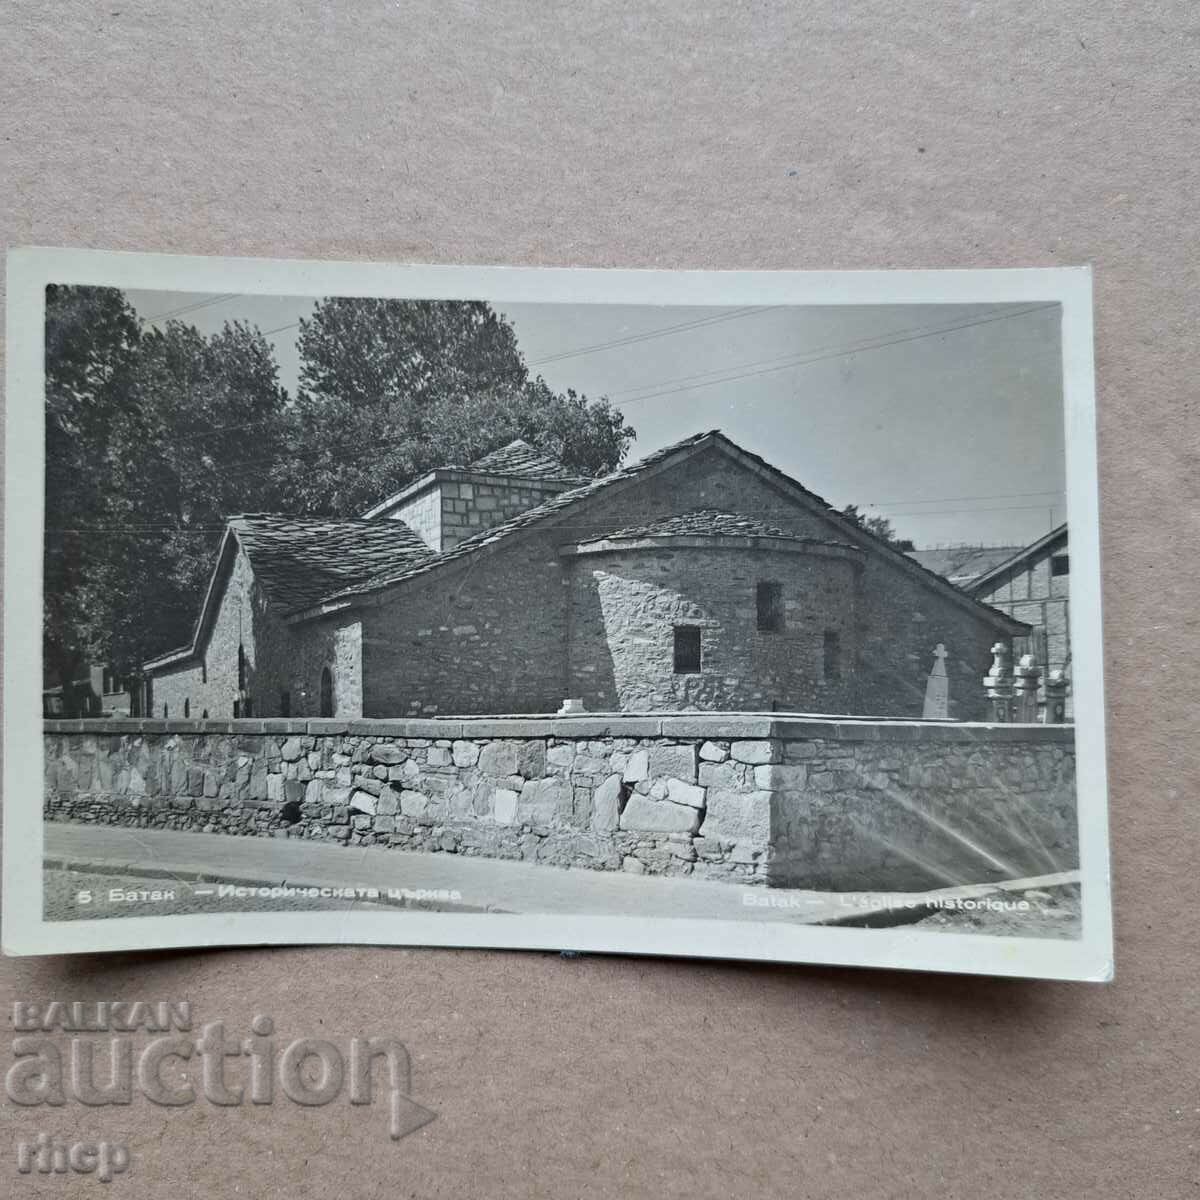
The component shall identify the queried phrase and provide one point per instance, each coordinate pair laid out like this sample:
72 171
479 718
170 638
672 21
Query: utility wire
187 308
840 352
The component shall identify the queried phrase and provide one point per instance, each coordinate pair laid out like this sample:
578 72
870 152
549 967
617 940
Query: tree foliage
881 527
154 437
392 388
146 453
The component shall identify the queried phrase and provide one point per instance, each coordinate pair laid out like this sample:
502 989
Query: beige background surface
906 134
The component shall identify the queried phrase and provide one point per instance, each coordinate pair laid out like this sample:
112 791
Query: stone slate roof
538 513
297 560
710 522
962 565
554 506
523 461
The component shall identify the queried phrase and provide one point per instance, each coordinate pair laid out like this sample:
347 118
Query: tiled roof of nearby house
962 565
1023 554
553 507
524 461
709 522
297 560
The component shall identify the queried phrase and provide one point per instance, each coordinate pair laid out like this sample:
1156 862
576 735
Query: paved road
460 883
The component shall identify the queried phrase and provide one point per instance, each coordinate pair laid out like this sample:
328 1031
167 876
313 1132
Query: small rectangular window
833 655
1060 564
769 598
285 704
687 649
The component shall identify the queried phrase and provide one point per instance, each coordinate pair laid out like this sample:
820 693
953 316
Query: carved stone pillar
1029 676
999 683
1056 698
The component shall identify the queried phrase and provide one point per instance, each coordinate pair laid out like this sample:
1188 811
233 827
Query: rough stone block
679 792
561 755
388 803
638 767
606 803
465 754
386 754
291 749
679 762
505 806
721 775
414 804
755 752
364 802
711 752
790 777
659 816
439 756
737 816
543 799
532 759
293 791
499 759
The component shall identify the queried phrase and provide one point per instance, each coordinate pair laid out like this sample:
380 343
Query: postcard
721 614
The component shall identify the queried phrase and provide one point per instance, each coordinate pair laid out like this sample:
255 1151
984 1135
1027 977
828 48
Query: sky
946 419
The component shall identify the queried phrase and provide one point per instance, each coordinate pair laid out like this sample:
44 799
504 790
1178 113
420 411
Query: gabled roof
707 522
1021 556
297 560
523 461
300 559
962 565
547 512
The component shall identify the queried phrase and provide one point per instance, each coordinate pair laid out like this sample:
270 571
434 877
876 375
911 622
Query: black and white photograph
748 621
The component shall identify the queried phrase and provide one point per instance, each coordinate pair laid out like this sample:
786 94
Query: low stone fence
786 801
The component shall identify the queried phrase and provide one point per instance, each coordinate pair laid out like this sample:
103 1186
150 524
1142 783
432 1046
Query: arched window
327 693
166 712
187 709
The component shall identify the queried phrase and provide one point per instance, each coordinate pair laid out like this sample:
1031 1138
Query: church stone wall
491 635
279 659
626 604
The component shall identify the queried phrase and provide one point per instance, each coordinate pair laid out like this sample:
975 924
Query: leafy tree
391 388
881 527
148 437
91 341
203 439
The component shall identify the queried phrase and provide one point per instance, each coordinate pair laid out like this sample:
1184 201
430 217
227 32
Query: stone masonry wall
800 803
279 658
626 604
491 635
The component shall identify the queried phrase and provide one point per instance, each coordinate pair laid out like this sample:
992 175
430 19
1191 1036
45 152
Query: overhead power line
833 352
956 499
651 334
187 308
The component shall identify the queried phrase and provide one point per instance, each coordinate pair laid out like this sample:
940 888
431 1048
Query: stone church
700 578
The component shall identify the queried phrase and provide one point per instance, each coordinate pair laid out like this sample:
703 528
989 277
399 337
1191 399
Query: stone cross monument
937 688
